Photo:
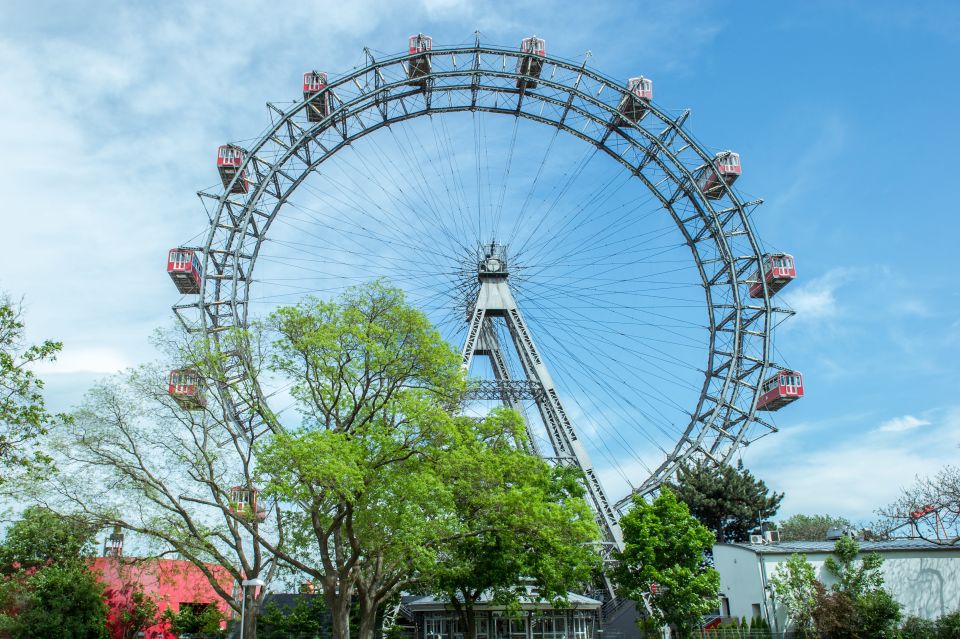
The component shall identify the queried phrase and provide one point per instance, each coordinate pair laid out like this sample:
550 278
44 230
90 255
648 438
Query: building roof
892 545
530 601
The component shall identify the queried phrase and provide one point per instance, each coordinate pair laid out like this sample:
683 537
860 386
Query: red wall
169 582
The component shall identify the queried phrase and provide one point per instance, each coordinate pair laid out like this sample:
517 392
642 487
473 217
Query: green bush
918 628
948 626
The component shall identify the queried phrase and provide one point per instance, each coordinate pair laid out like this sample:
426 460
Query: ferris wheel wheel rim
722 408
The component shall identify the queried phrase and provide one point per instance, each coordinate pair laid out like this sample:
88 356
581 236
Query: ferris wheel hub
494 264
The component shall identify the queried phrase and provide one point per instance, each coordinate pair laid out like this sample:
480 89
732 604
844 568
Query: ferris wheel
588 256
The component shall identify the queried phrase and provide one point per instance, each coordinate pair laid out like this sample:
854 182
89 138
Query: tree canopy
526 523
810 527
41 537
46 588
23 413
171 474
664 549
728 500
387 487
795 587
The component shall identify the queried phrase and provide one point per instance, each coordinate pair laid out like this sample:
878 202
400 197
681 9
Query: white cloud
101 360
855 474
898 424
816 299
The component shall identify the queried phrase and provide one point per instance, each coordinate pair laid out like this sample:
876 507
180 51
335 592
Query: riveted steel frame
570 97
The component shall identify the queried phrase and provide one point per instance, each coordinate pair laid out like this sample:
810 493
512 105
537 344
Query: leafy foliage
307 618
197 621
918 628
170 474
810 527
855 578
132 610
665 545
794 584
23 413
834 614
877 614
46 588
370 504
54 601
523 523
728 500
42 537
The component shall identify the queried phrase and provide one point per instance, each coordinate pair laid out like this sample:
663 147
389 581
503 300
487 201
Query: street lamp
243 600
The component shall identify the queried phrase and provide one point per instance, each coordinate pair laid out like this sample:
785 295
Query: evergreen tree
728 500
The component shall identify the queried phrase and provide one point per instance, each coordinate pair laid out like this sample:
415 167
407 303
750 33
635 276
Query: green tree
64 600
376 385
728 500
196 621
23 413
171 474
47 589
665 545
306 619
855 576
794 586
527 524
41 537
810 527
859 586
878 615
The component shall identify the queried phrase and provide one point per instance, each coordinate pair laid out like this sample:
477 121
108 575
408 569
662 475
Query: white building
924 577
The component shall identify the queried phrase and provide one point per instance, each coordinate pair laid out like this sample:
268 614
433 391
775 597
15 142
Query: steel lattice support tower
495 299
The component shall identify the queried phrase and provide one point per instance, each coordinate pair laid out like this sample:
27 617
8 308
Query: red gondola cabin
419 66
779 269
780 389
318 108
186 387
243 502
634 105
530 64
229 161
183 265
725 169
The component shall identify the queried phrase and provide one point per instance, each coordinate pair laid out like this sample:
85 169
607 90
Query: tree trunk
252 607
368 618
470 616
339 606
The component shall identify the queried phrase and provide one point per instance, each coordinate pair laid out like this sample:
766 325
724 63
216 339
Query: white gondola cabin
779 269
782 388
314 83
243 502
419 66
725 169
186 388
183 265
636 103
229 161
530 63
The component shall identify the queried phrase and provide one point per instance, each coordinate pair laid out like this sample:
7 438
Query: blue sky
843 113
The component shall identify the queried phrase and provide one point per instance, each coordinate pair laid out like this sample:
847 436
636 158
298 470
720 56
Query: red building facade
172 583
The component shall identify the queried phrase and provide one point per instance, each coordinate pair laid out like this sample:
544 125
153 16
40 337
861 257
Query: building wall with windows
924 577
435 619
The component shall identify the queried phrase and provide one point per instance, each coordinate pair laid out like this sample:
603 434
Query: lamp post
243 601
